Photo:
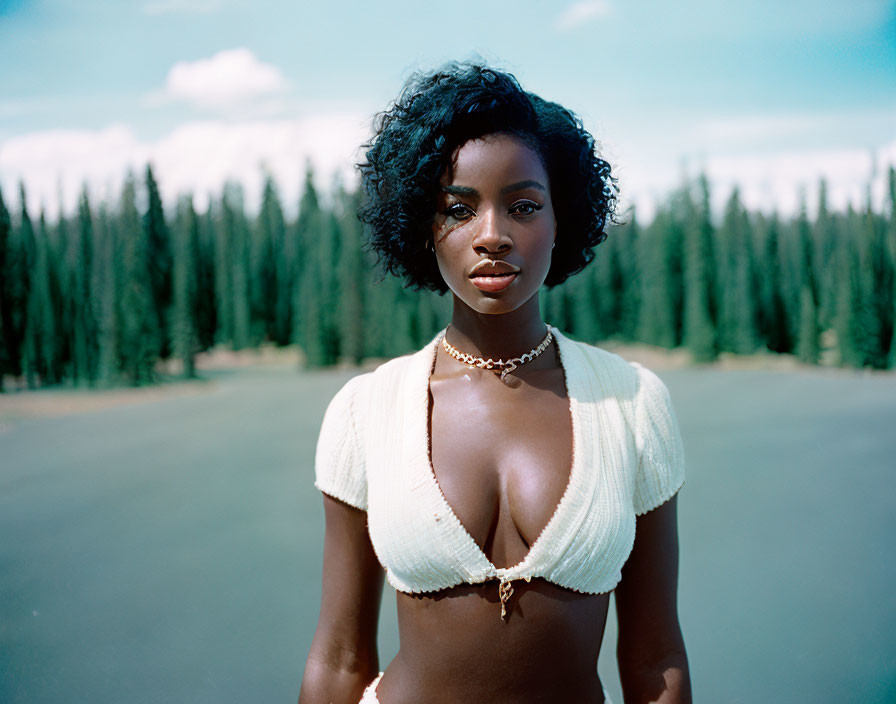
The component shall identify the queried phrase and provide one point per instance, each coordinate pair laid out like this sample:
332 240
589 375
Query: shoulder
608 372
383 385
639 391
644 407
395 374
338 459
604 360
343 402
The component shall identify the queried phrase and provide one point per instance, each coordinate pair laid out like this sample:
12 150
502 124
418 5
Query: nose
491 236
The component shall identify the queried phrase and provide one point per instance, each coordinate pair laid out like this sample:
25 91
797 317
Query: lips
492 283
493 267
493 275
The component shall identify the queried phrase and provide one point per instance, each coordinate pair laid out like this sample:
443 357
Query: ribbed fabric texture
658 439
373 453
338 460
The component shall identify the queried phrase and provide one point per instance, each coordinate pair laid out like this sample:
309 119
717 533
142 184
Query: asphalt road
169 551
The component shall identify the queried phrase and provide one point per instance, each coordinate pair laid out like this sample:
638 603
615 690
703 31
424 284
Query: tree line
97 298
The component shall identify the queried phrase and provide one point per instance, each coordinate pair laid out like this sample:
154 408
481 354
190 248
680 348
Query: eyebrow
460 190
518 186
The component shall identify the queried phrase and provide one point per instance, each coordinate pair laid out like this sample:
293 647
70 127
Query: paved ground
169 550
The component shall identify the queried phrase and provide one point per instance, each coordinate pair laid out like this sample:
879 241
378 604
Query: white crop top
628 458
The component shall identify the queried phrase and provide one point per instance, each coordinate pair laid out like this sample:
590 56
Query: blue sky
770 95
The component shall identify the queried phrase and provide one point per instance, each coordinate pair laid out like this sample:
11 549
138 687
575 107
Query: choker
499 365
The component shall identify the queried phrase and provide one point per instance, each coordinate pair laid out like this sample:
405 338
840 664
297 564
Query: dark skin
503 481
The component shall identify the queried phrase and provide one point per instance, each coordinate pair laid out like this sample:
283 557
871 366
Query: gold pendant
509 367
505 591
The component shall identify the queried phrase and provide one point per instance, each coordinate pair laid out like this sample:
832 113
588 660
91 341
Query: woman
501 498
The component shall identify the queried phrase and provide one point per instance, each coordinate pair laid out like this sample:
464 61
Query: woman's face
494 226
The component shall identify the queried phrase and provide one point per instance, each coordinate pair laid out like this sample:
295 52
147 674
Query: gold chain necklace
499 365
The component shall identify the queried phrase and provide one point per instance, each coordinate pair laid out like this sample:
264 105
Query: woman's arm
653 664
343 657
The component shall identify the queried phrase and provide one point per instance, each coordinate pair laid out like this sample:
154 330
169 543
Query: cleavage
502 458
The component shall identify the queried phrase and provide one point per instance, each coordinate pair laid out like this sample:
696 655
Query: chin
492 307
497 303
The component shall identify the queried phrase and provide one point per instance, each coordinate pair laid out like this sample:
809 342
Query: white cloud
580 13
763 130
768 181
775 181
181 7
754 126
772 156
55 163
197 157
229 79
200 156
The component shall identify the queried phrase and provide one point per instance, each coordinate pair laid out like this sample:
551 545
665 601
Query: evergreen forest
98 297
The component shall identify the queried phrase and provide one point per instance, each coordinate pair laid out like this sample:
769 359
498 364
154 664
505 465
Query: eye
525 208
459 211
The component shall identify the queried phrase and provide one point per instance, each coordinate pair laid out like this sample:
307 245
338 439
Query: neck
499 336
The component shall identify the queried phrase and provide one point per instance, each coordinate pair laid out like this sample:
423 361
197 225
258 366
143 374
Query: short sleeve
339 460
658 439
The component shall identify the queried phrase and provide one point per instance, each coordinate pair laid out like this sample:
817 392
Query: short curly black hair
438 112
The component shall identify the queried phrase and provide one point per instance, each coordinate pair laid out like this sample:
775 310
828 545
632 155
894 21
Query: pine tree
85 343
630 304
207 304
556 306
299 250
404 309
433 312
236 235
891 238
308 306
884 253
674 246
139 340
266 255
9 362
223 274
844 297
313 235
108 282
80 298
603 289
392 326
59 251
159 263
351 303
825 238
585 321
657 315
40 354
880 282
186 286
24 258
329 254
62 250
737 313
775 323
807 349
808 301
379 317
699 331
858 330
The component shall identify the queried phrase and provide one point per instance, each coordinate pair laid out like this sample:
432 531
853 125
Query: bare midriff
456 648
